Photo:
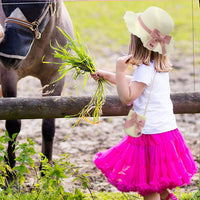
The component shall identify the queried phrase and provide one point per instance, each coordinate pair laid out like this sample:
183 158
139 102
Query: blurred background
102 28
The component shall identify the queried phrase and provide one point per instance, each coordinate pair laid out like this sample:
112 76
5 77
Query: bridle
34 26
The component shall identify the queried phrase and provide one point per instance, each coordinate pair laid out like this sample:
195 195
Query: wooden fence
59 107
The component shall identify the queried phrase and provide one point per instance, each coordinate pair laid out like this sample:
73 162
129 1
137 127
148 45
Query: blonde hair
142 55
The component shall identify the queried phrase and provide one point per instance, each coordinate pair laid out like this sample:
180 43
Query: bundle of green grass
76 57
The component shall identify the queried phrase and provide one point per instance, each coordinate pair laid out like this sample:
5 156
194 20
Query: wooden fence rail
59 107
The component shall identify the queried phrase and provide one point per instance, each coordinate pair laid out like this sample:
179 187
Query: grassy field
101 22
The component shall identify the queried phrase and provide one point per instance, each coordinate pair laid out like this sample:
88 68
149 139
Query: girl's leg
165 194
152 196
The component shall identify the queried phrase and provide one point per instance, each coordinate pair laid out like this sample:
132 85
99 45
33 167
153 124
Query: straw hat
153 27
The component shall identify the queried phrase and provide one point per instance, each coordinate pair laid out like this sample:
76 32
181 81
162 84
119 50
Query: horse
28 28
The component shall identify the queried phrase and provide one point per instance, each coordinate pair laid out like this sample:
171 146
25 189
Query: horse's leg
9 89
48 125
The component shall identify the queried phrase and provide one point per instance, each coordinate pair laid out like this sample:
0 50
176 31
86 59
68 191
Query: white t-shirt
159 114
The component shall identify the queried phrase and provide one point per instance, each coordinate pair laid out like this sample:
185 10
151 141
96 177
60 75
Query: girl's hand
98 74
108 76
122 63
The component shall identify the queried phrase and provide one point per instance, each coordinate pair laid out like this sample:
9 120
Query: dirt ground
87 139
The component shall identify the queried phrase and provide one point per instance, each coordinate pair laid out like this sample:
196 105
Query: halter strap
145 110
156 36
34 26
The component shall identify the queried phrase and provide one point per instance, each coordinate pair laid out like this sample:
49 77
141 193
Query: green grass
80 196
101 22
134 196
78 59
50 185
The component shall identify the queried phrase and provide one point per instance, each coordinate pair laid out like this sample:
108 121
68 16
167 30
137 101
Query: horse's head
25 21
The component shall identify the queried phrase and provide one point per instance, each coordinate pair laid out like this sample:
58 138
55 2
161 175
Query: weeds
50 185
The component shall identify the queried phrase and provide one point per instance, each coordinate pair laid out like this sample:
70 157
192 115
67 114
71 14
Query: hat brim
134 27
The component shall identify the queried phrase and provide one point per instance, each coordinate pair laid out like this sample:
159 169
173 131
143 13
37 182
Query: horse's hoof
42 171
10 184
51 163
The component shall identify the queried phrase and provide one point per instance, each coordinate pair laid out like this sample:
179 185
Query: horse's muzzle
15 45
10 63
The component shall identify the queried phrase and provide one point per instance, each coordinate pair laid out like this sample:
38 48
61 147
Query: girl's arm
109 76
127 91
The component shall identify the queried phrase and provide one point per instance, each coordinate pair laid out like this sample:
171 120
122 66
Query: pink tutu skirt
150 163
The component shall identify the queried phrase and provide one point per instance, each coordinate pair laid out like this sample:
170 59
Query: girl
158 160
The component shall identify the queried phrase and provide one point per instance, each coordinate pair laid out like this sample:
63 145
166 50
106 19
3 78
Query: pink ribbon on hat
157 37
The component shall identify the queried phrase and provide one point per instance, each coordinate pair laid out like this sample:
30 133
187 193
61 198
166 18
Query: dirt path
87 139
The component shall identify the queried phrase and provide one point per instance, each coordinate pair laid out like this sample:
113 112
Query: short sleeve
144 74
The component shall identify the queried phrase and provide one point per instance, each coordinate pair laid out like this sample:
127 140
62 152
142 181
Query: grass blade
75 56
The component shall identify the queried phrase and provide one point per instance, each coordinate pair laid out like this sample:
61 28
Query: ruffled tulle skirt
150 163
